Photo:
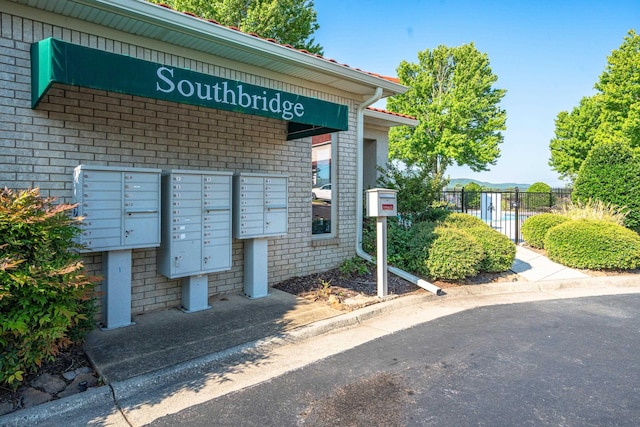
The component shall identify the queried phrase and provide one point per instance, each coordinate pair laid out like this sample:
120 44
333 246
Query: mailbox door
216 230
142 207
99 198
186 257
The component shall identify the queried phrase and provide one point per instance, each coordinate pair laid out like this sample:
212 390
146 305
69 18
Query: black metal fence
505 211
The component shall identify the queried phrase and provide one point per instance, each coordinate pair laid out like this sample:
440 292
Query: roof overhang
144 19
387 119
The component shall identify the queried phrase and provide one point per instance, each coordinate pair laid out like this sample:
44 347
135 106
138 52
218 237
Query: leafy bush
462 220
499 250
398 240
428 249
611 173
453 255
44 294
420 241
417 187
593 244
536 227
354 266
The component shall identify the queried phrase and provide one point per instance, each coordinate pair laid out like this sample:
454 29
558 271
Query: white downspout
359 195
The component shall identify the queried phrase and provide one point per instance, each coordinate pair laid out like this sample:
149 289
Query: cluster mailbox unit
121 211
260 211
188 215
196 230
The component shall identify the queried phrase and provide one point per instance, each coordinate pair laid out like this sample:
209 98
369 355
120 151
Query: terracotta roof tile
380 110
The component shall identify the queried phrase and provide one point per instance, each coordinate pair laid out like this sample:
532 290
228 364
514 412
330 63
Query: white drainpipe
359 192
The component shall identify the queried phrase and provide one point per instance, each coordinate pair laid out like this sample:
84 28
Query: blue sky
547 54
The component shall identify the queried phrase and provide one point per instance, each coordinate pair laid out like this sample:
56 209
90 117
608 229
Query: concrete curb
119 391
95 396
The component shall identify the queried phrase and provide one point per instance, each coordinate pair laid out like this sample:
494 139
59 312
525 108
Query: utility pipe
359 205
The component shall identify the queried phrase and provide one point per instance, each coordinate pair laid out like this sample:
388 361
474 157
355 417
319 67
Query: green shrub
428 249
453 255
418 188
419 244
611 173
44 294
354 266
499 250
462 220
593 244
536 227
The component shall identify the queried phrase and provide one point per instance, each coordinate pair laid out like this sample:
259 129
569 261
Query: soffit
154 22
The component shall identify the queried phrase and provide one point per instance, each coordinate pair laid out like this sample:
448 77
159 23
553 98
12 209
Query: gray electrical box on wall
260 205
196 228
120 206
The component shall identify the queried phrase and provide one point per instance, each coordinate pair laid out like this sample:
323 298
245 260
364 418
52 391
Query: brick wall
74 125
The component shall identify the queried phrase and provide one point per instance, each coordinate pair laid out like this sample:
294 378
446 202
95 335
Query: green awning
56 61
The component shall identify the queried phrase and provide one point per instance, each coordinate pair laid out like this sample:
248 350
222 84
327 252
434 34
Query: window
322 175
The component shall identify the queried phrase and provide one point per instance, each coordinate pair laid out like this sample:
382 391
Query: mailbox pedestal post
381 203
117 289
381 256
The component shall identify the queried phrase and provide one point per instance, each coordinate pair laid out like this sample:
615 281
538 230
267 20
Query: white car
322 193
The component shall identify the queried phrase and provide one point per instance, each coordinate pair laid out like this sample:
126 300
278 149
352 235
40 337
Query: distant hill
461 182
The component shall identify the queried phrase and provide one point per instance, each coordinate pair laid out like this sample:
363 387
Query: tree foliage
611 174
451 93
291 22
612 114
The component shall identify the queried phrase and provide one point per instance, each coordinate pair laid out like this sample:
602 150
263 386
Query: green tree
472 192
611 115
451 93
539 187
611 174
287 21
574 136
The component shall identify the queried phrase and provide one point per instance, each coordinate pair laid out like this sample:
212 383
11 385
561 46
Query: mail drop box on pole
120 207
196 226
382 202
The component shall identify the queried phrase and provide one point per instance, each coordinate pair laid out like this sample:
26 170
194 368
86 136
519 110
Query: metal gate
505 211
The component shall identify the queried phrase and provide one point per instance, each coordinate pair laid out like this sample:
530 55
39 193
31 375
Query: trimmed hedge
593 244
462 220
453 255
536 227
458 246
499 250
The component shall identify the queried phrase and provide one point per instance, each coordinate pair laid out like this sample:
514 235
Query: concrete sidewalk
234 344
535 267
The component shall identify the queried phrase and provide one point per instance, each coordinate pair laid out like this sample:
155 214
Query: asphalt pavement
170 360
